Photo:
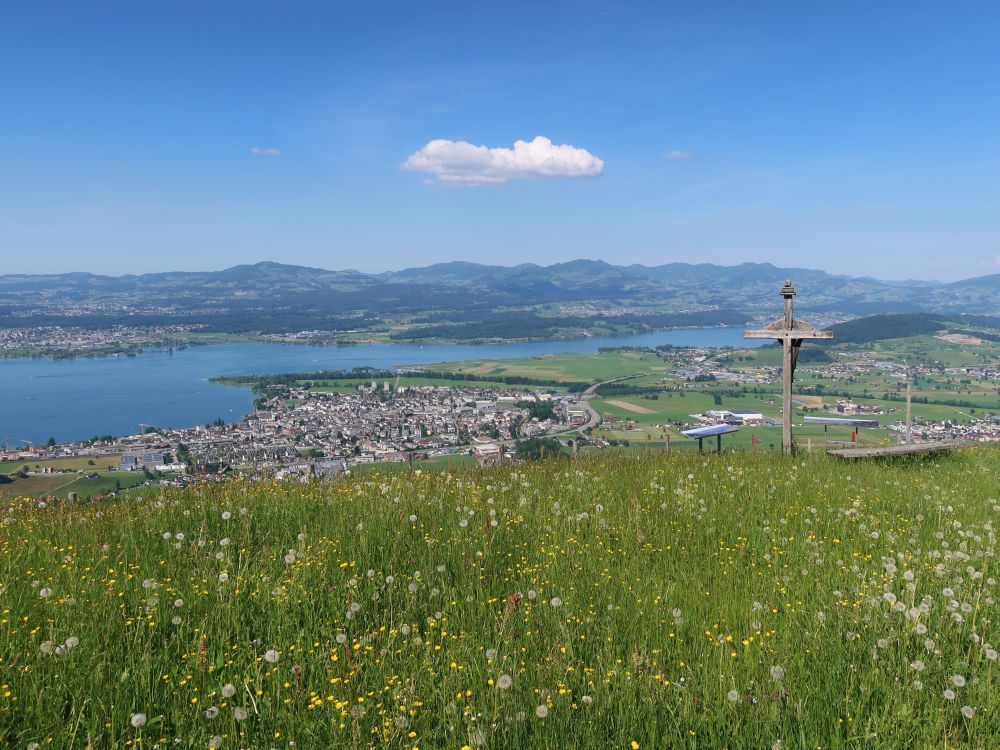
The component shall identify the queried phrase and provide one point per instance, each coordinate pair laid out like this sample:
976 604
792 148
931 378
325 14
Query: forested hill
481 299
882 327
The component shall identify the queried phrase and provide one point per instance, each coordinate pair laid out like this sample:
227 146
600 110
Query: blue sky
862 138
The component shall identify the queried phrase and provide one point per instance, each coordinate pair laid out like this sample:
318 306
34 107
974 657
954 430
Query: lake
77 399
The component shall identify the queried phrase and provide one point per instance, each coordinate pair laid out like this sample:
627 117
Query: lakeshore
77 399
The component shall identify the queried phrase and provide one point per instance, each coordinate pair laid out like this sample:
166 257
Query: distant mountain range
279 297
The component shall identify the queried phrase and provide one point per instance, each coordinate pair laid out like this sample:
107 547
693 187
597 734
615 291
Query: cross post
790 333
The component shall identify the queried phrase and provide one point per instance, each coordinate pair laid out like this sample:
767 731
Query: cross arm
786 334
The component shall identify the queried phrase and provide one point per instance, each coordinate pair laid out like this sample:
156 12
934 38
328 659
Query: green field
60 485
568 367
434 463
85 463
628 600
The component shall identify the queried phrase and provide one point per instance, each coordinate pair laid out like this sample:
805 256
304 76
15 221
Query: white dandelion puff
541 711
271 656
138 720
505 681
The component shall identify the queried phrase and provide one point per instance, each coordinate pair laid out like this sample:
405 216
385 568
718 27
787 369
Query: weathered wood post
790 333
909 409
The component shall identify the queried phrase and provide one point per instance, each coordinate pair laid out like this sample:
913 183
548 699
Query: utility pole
790 333
909 410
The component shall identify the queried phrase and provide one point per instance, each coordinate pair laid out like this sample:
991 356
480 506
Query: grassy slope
678 580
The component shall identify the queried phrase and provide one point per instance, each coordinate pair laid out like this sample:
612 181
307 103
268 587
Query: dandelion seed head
541 711
138 720
271 656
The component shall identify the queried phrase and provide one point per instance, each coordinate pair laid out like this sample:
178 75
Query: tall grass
630 601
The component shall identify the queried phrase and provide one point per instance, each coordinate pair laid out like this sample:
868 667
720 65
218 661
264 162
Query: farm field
60 485
74 463
568 367
628 600
434 463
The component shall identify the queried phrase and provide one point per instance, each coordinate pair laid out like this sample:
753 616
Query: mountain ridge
283 297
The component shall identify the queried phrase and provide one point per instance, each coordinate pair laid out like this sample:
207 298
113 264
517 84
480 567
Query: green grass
60 485
568 367
636 597
74 463
434 463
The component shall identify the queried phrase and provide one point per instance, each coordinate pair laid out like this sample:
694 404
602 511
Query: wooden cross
790 333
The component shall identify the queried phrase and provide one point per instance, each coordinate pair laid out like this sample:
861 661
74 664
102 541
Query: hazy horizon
402 268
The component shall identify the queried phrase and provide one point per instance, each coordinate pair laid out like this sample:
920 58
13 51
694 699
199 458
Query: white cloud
677 155
994 262
258 151
462 163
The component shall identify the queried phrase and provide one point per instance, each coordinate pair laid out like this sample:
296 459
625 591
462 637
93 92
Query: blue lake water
79 398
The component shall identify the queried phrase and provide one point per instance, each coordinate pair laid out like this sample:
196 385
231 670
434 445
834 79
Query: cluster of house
737 417
977 431
77 340
848 408
323 433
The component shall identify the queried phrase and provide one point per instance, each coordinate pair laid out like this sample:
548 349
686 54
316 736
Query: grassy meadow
631 600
